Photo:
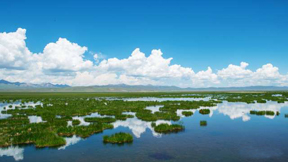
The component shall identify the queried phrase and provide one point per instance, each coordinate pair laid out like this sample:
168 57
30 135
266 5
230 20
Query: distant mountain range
48 87
4 84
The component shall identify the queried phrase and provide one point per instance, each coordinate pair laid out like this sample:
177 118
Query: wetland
172 126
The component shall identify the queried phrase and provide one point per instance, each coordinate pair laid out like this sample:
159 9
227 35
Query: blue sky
196 34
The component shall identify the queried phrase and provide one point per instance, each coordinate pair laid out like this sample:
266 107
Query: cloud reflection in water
14 151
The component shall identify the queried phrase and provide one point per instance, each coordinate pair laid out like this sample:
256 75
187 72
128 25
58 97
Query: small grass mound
118 138
49 140
204 111
203 123
286 115
166 128
187 113
261 101
75 122
100 120
253 112
271 113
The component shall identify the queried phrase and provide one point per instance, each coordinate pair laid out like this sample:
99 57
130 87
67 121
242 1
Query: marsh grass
56 109
203 123
271 113
123 116
100 120
261 113
187 113
166 128
75 122
83 131
204 111
118 138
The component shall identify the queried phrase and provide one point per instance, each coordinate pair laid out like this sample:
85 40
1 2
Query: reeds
166 128
118 138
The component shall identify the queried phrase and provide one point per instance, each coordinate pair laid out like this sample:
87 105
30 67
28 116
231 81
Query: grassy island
187 113
203 123
100 120
118 138
166 128
260 113
75 122
204 111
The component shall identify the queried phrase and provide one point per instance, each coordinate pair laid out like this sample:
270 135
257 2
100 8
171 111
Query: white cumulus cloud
235 71
13 50
64 55
64 62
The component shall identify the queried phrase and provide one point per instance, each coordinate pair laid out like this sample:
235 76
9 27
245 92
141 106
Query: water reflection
17 104
35 119
138 126
154 108
4 116
233 110
70 141
166 99
179 112
129 113
241 110
84 123
14 151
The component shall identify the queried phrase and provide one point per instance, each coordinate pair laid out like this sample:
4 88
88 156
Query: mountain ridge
49 87
30 85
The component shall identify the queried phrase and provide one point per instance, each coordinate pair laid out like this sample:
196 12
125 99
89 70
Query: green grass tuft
187 113
100 120
260 113
76 122
166 128
203 123
204 111
118 138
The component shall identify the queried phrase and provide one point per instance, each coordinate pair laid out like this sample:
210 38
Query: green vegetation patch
83 131
271 113
204 111
203 123
100 120
56 109
260 113
123 116
187 113
118 138
166 128
76 122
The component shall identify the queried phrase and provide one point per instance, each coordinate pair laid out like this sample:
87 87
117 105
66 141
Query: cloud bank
63 62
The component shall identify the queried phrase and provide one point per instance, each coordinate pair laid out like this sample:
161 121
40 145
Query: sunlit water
6 106
83 122
166 99
159 99
231 134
